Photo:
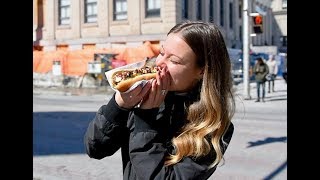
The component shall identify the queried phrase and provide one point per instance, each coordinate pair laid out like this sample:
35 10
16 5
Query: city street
258 149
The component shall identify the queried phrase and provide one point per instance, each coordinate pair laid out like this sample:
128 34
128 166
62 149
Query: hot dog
123 79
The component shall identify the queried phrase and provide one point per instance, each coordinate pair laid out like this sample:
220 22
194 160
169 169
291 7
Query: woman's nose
160 61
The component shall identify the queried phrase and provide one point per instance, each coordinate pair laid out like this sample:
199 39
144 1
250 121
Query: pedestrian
260 70
177 126
273 71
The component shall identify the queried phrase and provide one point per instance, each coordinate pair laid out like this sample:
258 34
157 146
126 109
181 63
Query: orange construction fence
76 62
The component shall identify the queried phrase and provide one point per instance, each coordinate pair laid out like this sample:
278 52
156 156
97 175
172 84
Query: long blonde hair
210 117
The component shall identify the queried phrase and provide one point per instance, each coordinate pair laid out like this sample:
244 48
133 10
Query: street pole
246 46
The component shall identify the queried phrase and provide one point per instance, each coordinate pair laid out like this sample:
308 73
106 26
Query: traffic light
257 24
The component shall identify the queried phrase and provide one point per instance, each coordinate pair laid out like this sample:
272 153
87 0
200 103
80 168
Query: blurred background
75 40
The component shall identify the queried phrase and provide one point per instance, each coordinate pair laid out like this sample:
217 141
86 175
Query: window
211 7
240 9
185 9
240 33
152 8
63 47
221 13
90 11
230 15
88 46
199 16
284 4
283 40
120 10
64 12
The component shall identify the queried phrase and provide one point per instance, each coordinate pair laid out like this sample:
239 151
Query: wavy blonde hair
210 116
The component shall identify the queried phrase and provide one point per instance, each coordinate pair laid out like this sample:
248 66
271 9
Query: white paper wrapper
139 64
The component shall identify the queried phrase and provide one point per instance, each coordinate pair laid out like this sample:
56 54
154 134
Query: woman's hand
158 91
132 98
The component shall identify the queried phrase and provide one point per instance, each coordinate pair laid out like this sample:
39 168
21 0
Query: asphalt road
258 149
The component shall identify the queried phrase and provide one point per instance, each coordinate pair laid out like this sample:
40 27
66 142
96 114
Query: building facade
80 24
280 24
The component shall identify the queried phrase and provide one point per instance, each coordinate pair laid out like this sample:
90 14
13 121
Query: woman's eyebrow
171 53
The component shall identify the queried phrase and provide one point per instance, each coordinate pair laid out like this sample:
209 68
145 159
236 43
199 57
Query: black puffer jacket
144 138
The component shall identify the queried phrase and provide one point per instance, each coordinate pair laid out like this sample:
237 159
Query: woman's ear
201 74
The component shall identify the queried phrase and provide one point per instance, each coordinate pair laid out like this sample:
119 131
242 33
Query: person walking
273 71
260 70
178 125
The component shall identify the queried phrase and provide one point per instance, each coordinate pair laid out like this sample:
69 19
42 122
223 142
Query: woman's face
180 60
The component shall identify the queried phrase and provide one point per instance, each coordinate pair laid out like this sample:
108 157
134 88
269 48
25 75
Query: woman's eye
174 62
161 53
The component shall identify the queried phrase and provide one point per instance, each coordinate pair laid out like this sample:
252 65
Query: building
280 24
80 24
74 25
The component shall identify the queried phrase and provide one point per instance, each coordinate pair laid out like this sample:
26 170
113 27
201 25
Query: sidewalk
279 94
280 89
262 124
71 91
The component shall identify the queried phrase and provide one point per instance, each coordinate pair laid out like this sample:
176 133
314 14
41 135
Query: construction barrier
75 63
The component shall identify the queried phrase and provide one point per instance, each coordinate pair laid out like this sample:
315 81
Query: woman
182 125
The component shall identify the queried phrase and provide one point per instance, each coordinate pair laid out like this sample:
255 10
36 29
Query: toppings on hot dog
123 79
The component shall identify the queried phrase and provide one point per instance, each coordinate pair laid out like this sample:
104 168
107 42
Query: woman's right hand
132 98
158 91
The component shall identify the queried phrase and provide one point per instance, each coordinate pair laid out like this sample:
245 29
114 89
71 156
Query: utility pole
246 46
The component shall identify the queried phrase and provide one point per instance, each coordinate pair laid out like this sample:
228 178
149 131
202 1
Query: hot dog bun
124 78
124 85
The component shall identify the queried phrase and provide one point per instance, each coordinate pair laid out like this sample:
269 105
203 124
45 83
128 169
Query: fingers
153 91
164 81
132 98
159 83
158 90
140 92
144 90
148 101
